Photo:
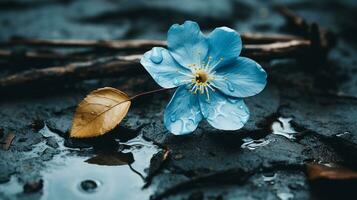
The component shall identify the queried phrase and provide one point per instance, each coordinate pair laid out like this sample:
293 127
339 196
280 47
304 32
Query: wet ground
307 113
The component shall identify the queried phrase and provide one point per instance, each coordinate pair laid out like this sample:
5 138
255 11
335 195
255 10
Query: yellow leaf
101 111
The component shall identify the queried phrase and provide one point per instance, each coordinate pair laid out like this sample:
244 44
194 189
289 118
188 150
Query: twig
222 177
289 49
142 45
259 38
295 20
319 37
33 55
287 46
103 67
118 45
112 66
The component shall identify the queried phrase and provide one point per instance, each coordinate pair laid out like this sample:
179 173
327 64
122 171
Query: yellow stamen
201 76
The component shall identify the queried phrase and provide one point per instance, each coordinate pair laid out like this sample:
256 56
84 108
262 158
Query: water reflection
102 175
66 181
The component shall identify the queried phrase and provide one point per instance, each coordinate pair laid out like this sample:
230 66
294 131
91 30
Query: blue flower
211 78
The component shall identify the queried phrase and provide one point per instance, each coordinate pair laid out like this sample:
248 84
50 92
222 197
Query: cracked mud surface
313 105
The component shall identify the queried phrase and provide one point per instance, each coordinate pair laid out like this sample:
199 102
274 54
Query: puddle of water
249 143
283 127
103 176
12 187
112 175
73 178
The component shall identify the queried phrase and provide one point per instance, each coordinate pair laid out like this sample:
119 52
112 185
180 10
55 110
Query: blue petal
163 68
223 112
182 114
225 46
187 44
243 78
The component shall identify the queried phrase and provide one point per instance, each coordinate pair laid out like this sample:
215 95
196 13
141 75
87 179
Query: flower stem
149 92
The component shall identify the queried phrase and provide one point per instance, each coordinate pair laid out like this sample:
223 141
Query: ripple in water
119 175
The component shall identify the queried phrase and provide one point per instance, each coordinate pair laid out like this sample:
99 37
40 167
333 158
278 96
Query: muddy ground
307 113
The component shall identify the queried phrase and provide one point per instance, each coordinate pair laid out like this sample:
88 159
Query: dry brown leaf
8 140
99 112
317 171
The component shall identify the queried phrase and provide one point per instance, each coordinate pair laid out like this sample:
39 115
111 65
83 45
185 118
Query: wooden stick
260 51
289 49
126 45
295 20
112 66
118 45
33 55
320 38
103 67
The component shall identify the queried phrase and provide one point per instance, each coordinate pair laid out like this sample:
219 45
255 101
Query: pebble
35 186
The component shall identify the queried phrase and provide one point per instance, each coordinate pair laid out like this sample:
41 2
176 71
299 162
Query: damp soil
307 112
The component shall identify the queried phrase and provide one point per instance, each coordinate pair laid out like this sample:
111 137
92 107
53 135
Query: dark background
320 97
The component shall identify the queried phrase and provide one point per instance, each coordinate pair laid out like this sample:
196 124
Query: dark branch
41 56
141 45
104 67
119 65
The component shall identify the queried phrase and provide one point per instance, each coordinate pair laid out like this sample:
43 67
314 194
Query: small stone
37 125
32 187
48 154
51 142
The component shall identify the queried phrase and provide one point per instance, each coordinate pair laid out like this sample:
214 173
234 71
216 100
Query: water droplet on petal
156 55
173 118
241 107
230 86
190 124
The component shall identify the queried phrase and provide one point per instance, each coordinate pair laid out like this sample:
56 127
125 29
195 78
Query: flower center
201 76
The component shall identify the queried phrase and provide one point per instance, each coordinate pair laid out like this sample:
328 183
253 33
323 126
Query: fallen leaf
112 159
317 171
101 111
331 181
8 140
